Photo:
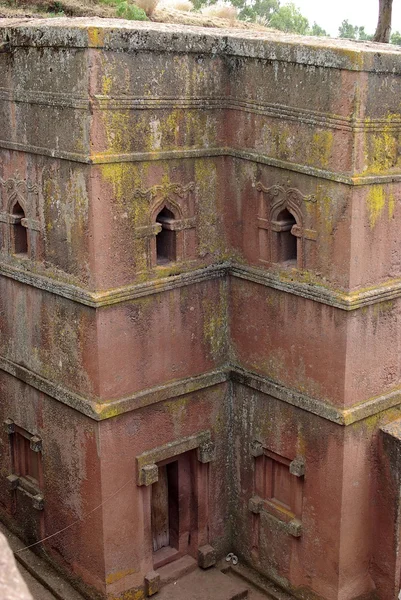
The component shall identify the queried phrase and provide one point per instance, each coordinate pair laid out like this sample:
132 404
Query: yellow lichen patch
113 577
383 307
107 82
326 215
134 595
321 148
376 201
382 147
96 37
384 151
178 408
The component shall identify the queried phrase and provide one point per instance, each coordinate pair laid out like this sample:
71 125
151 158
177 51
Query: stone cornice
116 295
100 411
283 281
242 154
319 293
135 36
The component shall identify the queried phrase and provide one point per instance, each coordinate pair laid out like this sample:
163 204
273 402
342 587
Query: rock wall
200 258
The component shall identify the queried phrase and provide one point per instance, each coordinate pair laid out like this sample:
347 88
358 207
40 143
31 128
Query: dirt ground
97 8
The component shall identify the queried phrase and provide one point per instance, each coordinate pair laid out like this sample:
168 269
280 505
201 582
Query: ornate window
282 235
166 240
19 232
286 241
167 232
19 225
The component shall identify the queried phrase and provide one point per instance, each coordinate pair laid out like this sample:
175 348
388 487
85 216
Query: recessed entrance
173 509
165 515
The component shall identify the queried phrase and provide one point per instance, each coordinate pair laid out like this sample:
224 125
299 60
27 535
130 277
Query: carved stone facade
200 306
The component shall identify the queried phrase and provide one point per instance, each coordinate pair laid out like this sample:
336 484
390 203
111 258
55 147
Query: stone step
210 584
177 569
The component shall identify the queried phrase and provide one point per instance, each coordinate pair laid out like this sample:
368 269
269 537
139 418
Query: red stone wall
108 352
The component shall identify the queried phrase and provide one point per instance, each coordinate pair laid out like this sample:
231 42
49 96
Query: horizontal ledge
310 291
116 295
100 411
133 37
100 158
318 293
99 102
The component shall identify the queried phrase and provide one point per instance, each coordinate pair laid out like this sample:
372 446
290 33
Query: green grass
127 10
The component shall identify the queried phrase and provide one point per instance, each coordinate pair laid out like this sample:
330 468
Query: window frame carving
288 517
272 201
19 191
167 196
24 482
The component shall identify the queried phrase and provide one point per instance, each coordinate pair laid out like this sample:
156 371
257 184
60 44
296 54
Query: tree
248 11
383 29
289 18
353 32
348 31
362 35
396 38
317 30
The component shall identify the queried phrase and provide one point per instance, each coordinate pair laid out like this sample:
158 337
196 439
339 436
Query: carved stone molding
293 195
146 462
17 190
274 200
173 196
165 191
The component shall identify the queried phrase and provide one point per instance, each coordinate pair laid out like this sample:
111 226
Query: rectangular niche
278 489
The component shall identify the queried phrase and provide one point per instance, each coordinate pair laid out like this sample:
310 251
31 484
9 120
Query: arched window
286 240
166 243
19 233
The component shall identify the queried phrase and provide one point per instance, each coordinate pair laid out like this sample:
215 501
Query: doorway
173 510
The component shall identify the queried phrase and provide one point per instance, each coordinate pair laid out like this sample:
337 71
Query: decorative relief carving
17 190
146 462
19 213
280 221
165 192
293 195
160 197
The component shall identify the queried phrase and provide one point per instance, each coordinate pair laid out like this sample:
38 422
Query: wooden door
160 511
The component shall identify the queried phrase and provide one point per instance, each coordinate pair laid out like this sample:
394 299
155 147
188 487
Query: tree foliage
249 11
395 38
286 17
353 32
289 18
317 30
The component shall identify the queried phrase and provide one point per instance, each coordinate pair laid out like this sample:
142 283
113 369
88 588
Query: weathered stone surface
269 319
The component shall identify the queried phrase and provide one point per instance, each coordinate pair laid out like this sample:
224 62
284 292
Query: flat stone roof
124 35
